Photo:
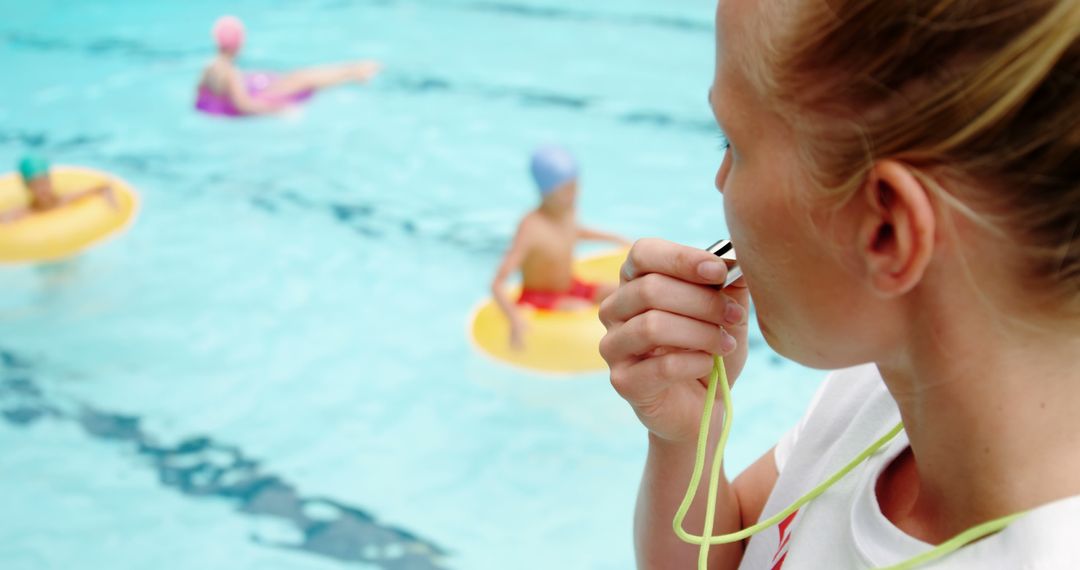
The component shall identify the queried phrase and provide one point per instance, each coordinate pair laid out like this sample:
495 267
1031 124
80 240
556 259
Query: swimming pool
269 370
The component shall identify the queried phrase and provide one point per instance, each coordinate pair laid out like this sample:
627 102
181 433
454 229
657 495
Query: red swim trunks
549 300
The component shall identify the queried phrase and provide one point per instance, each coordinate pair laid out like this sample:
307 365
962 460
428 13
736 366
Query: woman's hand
664 324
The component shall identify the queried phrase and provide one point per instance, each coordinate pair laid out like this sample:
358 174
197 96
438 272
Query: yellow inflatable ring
69 229
556 341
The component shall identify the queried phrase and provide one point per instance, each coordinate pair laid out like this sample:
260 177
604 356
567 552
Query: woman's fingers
687 263
657 291
644 383
654 329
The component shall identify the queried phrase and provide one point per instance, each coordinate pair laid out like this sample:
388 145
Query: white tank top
844 529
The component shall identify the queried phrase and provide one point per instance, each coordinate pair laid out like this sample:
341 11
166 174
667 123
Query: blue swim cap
552 167
32 167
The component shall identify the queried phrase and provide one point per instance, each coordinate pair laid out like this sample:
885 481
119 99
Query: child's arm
591 234
14 214
104 188
511 263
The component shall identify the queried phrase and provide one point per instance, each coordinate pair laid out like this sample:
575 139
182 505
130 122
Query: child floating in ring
226 90
34 171
543 246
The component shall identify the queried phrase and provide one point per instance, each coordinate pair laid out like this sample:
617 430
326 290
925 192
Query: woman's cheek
734 212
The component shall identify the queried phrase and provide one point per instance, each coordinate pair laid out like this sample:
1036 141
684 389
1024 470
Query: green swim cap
32 166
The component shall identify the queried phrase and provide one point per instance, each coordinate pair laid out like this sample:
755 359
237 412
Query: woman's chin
790 351
771 339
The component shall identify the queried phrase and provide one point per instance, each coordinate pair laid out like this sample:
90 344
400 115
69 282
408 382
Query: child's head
35 174
228 33
919 132
555 172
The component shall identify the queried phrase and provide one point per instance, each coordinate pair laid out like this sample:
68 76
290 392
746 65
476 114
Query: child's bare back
543 247
218 76
549 254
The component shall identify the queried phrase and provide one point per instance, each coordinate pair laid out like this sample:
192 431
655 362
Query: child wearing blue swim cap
543 246
34 171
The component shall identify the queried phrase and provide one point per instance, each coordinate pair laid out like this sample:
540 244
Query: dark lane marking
98 47
369 221
531 97
392 81
567 14
538 12
204 467
40 139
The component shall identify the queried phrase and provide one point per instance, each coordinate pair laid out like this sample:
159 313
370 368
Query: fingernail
727 342
712 270
733 313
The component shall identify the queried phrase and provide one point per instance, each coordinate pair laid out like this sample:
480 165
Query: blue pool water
269 370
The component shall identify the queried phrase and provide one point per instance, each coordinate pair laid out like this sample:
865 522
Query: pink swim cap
228 33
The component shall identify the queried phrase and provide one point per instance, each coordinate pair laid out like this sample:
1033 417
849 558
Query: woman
903 189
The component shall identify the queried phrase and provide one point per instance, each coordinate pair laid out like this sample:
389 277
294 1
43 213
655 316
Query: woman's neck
991 413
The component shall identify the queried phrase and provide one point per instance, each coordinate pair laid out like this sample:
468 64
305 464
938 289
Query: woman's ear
895 240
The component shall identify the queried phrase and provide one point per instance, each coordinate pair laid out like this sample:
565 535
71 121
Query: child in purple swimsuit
226 90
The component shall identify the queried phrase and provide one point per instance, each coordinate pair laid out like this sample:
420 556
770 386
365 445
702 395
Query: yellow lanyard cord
718 377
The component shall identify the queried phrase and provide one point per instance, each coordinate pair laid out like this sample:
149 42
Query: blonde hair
986 91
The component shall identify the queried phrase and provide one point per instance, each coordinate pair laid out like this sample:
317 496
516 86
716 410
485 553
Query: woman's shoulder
1042 539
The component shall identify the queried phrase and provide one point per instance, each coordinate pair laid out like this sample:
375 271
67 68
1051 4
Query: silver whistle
724 250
